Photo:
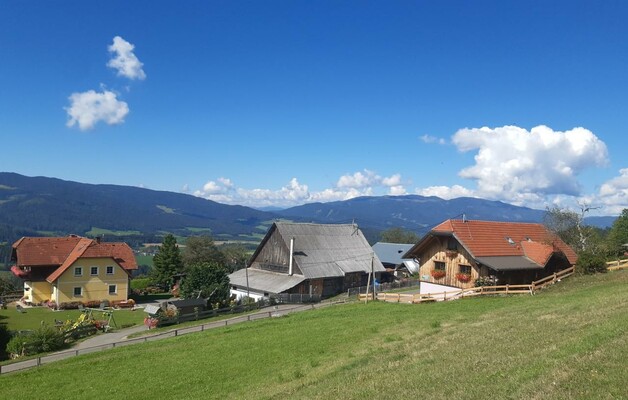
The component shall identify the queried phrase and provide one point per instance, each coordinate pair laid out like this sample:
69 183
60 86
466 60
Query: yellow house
73 268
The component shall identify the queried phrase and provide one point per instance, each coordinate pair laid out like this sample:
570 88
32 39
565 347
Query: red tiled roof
491 239
64 251
120 252
34 251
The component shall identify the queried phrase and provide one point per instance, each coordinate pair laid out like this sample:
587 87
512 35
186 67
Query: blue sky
281 103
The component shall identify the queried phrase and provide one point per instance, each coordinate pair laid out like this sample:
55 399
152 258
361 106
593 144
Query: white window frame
91 273
78 271
113 270
115 287
80 288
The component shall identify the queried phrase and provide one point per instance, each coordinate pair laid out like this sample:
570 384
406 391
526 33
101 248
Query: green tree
5 337
590 263
6 285
570 227
167 262
236 256
201 249
208 281
618 235
399 235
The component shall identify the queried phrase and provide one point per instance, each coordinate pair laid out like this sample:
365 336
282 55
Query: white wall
427 287
242 293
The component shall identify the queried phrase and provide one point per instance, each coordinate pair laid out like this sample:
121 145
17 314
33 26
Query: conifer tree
167 262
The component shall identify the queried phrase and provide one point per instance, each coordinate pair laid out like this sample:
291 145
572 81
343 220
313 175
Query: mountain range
50 206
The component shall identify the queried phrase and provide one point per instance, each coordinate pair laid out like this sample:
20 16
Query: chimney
291 256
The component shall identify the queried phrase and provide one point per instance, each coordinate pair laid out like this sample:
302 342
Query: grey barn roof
328 250
391 253
508 263
265 281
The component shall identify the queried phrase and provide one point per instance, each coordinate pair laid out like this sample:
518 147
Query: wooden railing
617 265
475 291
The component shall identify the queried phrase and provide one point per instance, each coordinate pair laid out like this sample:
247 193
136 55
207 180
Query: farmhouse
72 268
459 251
302 258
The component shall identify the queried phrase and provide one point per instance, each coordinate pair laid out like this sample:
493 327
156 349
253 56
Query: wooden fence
617 265
475 291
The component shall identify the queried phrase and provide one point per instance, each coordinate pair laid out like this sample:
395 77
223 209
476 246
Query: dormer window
510 241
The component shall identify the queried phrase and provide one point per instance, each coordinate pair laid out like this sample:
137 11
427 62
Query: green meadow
570 341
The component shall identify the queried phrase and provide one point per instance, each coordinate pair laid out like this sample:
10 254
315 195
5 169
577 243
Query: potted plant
438 273
463 277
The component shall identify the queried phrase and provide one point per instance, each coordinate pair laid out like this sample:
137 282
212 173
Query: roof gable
64 251
502 239
325 250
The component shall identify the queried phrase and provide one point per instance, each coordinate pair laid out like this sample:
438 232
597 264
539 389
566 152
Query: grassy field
33 317
100 231
568 342
144 260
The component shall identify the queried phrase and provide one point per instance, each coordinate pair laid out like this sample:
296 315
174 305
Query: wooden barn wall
325 287
437 251
274 256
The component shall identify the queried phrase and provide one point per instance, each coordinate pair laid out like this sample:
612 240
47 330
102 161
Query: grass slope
570 341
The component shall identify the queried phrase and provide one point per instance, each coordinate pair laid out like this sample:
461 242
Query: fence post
38 361
176 332
507 288
445 295
554 280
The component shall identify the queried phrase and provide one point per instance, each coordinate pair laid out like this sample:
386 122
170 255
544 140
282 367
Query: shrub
484 281
17 346
140 284
70 305
45 339
5 337
589 263
42 340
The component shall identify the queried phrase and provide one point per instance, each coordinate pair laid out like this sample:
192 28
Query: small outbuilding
186 306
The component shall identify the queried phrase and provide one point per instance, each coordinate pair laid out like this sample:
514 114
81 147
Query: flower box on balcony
463 277
438 274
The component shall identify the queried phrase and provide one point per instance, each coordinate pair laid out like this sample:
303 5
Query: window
78 271
93 271
113 289
109 269
78 291
465 269
439 265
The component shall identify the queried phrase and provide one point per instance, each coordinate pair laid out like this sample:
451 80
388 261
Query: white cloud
124 60
520 166
294 193
88 108
397 190
613 194
394 180
358 180
446 192
432 139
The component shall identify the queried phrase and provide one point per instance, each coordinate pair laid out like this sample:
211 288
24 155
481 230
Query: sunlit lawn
567 342
31 318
